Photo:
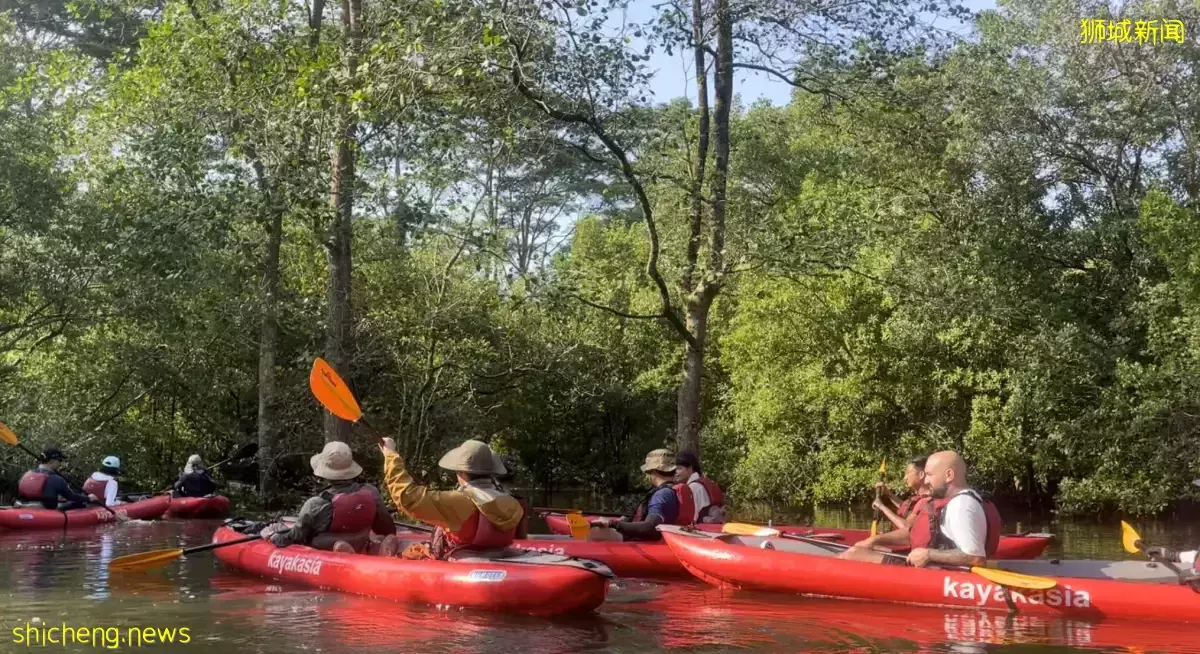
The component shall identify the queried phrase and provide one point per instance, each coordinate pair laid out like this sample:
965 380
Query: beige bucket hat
335 462
662 460
472 457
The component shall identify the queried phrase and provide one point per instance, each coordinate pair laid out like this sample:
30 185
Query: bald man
957 526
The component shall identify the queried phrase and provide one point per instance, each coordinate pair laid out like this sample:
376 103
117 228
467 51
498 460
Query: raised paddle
10 438
335 396
159 558
878 495
994 575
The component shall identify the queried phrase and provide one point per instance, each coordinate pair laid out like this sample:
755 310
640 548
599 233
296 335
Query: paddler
46 485
477 515
102 485
662 505
707 496
1190 575
956 527
901 514
194 481
344 514
503 482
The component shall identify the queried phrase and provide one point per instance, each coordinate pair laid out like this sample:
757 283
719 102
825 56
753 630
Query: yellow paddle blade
1130 539
743 529
883 466
144 561
1015 579
580 527
874 528
332 392
7 435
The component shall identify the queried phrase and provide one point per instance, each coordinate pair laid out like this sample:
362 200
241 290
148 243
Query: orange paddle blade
7 435
332 392
580 527
144 561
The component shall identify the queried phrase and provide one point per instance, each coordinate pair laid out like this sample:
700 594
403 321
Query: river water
48 579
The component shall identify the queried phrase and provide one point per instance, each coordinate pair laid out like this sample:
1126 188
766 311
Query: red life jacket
352 512
715 496
95 487
32 484
926 528
910 505
687 505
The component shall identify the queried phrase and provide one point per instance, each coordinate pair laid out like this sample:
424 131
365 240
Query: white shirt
699 495
965 523
110 488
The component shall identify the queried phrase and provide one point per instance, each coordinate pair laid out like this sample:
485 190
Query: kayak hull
652 560
731 564
1028 546
199 508
499 586
28 519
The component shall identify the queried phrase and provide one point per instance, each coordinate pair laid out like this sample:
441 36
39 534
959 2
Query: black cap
510 468
688 459
50 453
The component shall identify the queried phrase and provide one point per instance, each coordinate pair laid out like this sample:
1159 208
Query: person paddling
103 485
503 480
957 527
344 514
194 481
902 514
665 504
707 496
46 485
477 515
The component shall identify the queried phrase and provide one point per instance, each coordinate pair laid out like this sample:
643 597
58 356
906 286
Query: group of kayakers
943 521
46 484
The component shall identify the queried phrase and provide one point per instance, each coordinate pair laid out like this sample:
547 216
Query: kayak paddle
159 558
548 509
744 529
580 527
10 438
1132 542
878 495
335 396
994 575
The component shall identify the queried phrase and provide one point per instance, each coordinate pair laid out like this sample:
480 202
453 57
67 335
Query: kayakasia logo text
302 564
981 593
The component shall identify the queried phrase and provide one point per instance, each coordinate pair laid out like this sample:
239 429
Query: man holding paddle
956 527
44 483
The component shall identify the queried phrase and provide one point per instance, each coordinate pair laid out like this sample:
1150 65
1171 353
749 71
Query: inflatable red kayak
531 583
213 506
1086 589
1023 546
25 518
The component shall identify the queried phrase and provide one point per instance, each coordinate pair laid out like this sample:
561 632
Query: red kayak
1086 589
530 583
1021 546
213 506
38 518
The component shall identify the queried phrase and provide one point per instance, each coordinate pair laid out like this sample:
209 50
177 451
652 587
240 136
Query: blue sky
674 76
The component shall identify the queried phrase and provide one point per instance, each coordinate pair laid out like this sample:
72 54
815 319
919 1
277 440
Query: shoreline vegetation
483 219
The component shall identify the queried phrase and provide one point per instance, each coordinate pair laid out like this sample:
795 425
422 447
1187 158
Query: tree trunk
268 345
687 425
338 335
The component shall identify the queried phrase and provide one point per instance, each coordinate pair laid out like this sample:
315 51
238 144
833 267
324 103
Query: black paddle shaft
213 546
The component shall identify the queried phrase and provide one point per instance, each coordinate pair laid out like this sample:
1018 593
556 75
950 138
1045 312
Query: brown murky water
56 578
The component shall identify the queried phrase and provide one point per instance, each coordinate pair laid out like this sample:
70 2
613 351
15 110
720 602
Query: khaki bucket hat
335 462
472 457
662 460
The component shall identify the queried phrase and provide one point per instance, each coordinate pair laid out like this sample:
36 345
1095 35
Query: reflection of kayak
646 560
39 518
215 506
529 583
797 567
1025 546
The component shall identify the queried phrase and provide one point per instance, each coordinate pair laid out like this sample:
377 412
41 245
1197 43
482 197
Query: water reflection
62 577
